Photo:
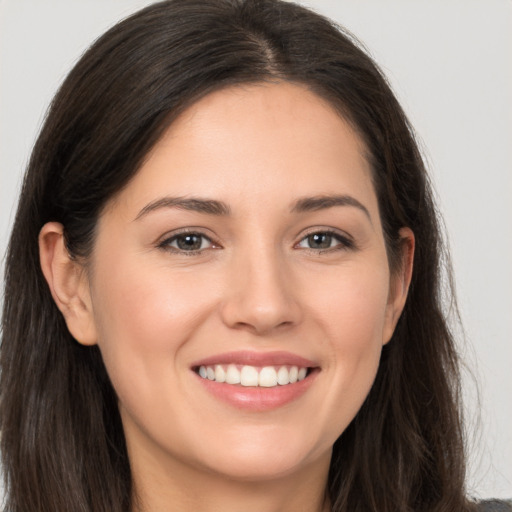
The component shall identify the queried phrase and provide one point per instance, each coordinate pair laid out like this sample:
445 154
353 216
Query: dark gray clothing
495 506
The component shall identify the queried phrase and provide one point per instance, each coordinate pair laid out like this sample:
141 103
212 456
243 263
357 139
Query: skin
258 286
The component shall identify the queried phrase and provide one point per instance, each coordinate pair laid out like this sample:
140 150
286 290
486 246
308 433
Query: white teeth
220 374
283 376
293 374
267 377
232 375
249 376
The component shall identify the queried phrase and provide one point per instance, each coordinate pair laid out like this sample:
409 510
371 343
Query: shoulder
495 506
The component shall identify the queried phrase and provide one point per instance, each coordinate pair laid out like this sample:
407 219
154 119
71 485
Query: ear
68 283
399 283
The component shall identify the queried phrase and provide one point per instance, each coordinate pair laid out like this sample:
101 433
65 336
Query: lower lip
258 398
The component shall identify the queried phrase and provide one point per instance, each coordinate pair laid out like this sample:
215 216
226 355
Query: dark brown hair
62 440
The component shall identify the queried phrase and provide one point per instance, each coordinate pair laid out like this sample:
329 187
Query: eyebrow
310 204
214 207
208 206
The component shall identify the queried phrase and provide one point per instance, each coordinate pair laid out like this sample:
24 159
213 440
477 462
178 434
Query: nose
261 294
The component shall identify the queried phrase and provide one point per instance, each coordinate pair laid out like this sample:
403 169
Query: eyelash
345 243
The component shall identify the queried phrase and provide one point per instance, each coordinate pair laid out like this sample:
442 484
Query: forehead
288 111
264 140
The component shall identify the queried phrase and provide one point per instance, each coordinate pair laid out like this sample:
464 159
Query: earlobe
68 283
399 283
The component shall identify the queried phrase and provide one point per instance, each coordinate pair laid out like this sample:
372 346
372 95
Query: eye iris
320 240
189 242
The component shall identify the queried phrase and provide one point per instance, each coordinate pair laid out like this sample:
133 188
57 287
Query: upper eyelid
185 231
331 231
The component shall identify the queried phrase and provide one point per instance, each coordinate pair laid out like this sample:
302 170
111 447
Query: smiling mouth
254 376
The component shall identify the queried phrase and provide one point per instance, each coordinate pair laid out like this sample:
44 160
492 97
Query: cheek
353 318
352 307
359 327
144 317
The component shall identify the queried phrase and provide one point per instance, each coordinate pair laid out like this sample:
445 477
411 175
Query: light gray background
450 63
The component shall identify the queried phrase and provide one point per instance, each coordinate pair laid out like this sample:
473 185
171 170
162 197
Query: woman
222 287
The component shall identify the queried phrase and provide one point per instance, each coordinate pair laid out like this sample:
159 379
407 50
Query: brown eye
320 240
325 241
187 242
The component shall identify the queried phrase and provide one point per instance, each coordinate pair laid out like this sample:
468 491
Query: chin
262 458
258 469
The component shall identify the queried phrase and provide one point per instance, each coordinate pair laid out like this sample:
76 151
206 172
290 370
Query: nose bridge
260 294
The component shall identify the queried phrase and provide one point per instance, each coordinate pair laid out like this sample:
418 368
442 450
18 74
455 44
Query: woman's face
248 247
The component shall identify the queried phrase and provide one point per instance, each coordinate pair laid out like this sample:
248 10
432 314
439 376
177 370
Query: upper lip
251 358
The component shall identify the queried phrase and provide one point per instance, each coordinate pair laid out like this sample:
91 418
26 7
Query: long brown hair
62 442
